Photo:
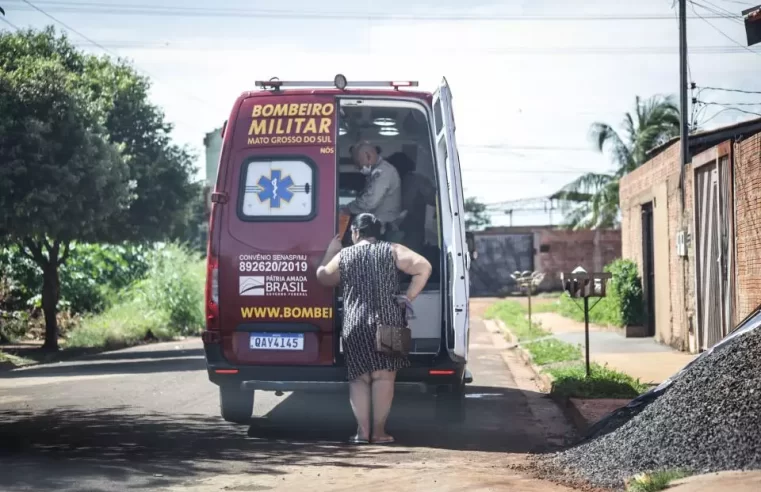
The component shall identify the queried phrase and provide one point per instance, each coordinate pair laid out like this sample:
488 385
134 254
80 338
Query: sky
528 77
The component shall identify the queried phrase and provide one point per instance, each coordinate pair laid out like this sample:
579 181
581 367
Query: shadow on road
141 363
70 447
497 420
120 448
145 354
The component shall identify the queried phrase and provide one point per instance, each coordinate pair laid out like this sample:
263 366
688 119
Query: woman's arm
328 272
412 264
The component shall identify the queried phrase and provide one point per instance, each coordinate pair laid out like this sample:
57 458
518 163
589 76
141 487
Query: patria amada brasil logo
275 188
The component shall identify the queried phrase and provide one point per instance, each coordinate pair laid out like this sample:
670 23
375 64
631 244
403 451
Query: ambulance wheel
450 405
237 405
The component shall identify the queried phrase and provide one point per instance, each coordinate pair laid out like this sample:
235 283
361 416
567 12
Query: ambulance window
437 116
277 190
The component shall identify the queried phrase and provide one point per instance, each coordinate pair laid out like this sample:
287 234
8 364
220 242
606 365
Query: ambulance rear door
456 246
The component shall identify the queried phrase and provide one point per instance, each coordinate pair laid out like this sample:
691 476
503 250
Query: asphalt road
147 419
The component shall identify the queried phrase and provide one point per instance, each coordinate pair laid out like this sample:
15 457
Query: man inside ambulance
382 194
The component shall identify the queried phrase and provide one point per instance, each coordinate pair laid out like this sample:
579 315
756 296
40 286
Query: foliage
623 305
14 360
625 293
655 481
92 272
476 216
13 325
86 157
194 232
591 201
551 351
167 303
513 315
603 382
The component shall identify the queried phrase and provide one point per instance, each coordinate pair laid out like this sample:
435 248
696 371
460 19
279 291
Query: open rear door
457 252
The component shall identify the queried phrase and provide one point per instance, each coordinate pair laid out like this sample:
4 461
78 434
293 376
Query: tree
85 156
594 196
475 214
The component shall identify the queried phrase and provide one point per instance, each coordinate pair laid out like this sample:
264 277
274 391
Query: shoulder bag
392 340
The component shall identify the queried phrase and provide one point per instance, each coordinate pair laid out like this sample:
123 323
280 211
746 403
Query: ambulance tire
450 405
236 405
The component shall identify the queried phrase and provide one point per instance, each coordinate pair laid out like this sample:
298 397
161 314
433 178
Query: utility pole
683 108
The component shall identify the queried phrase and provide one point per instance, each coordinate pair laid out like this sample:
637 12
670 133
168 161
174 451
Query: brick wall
566 250
748 224
656 180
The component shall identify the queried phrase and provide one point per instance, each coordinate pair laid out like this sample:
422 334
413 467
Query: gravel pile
709 419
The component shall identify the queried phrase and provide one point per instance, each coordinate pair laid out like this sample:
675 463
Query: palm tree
591 200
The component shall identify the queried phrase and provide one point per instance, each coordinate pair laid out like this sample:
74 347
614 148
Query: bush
89 275
625 293
602 382
623 305
167 303
13 325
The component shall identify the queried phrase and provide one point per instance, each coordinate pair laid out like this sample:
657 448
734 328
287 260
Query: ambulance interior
403 137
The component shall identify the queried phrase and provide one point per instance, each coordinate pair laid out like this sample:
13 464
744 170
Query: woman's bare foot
382 438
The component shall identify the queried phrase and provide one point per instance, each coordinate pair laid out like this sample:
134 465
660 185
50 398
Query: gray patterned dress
369 281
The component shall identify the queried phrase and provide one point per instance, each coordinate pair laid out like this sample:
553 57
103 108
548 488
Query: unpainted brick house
503 250
696 234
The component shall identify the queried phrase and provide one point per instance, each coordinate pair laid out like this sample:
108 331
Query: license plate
276 341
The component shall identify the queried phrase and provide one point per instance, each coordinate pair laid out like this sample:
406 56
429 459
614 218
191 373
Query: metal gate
713 253
498 257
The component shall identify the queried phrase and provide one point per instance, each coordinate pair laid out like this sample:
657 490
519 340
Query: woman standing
368 273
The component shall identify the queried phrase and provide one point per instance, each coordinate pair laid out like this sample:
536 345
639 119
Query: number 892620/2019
274 266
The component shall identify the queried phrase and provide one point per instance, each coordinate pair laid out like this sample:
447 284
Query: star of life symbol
275 188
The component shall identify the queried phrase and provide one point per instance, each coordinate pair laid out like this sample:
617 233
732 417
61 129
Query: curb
543 380
574 415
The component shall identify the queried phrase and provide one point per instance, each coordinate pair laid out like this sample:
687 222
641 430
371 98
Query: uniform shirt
382 195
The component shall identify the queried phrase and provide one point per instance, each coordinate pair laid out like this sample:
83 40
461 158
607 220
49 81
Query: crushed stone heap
708 419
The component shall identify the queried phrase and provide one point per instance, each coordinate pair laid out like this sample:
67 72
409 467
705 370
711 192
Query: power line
509 50
95 43
730 104
14 26
719 11
717 113
528 171
730 107
741 91
531 147
738 2
692 3
181 11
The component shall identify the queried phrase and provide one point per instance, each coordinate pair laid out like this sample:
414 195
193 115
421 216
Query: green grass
167 303
574 309
551 351
653 482
14 360
603 382
513 315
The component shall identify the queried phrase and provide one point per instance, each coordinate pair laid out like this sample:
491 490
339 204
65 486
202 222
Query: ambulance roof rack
339 82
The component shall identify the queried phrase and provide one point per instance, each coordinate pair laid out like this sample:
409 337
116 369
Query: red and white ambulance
285 170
